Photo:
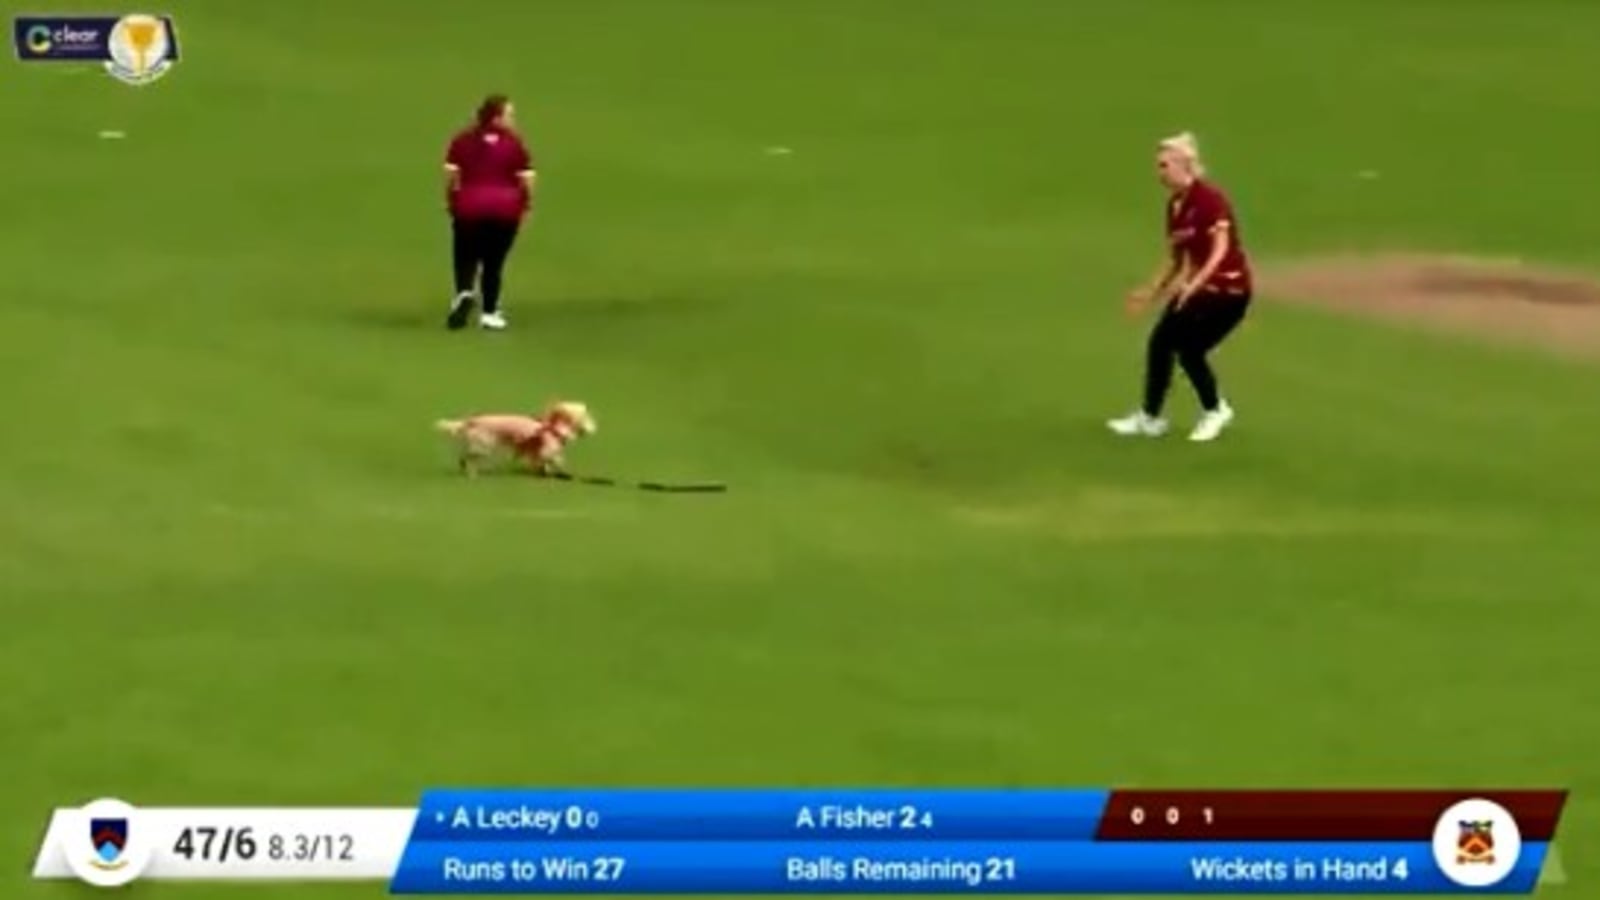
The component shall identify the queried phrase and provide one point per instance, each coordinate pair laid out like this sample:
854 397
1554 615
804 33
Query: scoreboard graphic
838 841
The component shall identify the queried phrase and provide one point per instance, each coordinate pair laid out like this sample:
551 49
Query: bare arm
1159 286
529 178
1221 239
452 178
527 169
1167 274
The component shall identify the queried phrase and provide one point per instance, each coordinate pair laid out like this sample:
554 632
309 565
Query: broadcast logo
135 49
61 39
37 40
107 849
141 49
1476 843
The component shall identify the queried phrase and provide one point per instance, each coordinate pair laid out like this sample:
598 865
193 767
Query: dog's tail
450 426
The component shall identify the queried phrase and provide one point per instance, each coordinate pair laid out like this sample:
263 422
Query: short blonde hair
1187 147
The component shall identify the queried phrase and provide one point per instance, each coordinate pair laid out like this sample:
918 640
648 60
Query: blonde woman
1205 287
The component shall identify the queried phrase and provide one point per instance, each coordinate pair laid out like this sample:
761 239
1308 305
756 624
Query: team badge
109 838
142 48
104 845
1476 843
1475 846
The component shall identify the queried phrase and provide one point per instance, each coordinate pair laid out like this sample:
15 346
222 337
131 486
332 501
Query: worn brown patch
1496 299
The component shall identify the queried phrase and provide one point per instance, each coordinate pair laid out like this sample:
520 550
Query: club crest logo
106 847
1475 846
109 838
1476 843
140 48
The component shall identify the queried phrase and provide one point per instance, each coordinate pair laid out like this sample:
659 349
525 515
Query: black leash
663 487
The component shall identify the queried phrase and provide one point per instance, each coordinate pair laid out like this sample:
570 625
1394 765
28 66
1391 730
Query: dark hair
491 109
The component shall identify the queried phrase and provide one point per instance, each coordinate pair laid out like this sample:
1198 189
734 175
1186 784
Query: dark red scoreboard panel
1323 815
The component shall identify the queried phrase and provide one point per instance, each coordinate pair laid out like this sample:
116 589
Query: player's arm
1170 269
452 168
1221 240
1217 220
1160 284
527 172
528 177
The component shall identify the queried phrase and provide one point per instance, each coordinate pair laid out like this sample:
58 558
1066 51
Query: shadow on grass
395 318
615 308
557 312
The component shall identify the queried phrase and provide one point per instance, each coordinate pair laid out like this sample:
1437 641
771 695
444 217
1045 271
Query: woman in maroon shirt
489 182
1205 283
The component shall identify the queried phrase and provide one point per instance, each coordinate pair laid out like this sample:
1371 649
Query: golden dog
540 441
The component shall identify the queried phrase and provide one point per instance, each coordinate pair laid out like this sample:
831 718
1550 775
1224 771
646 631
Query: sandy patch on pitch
1497 299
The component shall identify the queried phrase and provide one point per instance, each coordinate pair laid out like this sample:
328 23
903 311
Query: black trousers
479 249
1186 336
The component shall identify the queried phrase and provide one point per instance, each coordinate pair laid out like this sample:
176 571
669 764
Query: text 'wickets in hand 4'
1337 870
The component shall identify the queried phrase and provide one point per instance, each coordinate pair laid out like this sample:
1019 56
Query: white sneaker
1139 424
1212 423
461 310
494 321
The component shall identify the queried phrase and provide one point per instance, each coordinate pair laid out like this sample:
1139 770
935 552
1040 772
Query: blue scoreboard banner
976 842
838 841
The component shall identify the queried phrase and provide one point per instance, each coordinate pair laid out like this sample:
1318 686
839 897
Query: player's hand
1139 300
1182 295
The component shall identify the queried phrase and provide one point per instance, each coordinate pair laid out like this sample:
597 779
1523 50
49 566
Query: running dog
539 441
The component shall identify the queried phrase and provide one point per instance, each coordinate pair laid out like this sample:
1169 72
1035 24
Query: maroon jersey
1194 218
489 163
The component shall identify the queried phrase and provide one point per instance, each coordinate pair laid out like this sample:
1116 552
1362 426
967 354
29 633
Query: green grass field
236 567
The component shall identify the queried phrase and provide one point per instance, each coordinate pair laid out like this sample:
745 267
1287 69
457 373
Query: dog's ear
581 417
